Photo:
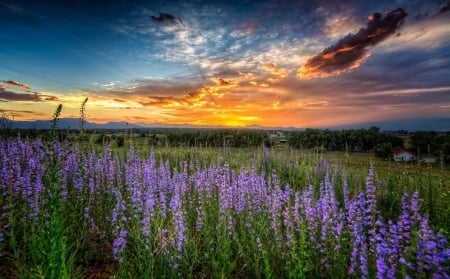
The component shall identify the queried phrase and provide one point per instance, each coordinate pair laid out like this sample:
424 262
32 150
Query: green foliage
216 138
54 123
361 140
83 120
120 141
431 143
384 151
60 244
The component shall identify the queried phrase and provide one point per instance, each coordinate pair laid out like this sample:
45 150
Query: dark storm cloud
444 8
13 96
351 51
165 18
7 96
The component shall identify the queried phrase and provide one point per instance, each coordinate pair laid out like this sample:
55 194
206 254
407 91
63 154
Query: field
79 211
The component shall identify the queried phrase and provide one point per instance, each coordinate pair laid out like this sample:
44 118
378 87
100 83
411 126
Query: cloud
119 101
13 96
204 97
161 101
224 83
444 8
14 13
278 73
16 83
7 96
19 112
165 18
353 50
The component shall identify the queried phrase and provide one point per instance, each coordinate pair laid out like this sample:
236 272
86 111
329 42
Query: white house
404 156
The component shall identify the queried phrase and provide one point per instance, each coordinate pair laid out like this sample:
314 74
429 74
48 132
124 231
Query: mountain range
418 124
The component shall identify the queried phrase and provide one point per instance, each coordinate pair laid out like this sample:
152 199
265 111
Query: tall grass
203 213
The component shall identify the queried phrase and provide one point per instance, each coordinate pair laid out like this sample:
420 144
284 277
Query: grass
81 212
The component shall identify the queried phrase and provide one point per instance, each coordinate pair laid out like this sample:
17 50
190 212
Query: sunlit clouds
268 63
352 51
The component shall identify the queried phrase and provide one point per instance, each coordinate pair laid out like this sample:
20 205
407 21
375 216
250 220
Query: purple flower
119 245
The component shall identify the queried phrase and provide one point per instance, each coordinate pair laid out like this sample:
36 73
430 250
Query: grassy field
70 211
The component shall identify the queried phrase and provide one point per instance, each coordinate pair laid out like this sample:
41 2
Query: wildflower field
67 211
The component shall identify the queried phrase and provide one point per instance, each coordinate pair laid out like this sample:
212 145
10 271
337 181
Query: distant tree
445 152
427 142
384 151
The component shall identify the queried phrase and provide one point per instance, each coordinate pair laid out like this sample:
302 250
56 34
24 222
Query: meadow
71 210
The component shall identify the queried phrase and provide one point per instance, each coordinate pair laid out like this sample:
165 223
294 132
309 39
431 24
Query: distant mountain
72 123
411 125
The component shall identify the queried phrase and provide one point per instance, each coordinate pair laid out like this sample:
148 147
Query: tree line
431 143
210 138
360 140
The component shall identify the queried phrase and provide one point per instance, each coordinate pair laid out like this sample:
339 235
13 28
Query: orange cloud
204 97
278 73
16 83
353 50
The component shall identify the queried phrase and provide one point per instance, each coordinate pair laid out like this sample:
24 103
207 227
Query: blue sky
272 63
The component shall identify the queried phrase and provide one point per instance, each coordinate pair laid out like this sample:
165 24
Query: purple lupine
119 245
441 258
395 251
310 212
149 196
363 258
225 191
242 187
176 209
118 219
415 208
274 202
382 251
287 219
435 255
163 187
200 216
359 250
346 194
404 225
370 207
133 179
321 167
296 212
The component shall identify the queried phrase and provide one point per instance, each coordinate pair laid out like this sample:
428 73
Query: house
404 156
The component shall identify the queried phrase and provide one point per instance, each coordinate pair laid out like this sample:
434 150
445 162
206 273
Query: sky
273 63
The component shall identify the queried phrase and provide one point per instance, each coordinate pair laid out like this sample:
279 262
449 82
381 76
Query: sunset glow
268 63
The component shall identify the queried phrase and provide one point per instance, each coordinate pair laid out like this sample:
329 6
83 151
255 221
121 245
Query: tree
384 151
